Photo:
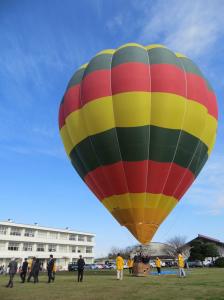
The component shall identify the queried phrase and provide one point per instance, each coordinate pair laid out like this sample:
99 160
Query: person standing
181 265
158 265
30 268
130 265
50 266
36 270
12 271
54 271
24 270
120 266
81 266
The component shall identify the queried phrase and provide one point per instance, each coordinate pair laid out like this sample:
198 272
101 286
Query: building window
89 238
63 236
3 230
15 231
63 248
40 247
72 237
53 235
42 234
80 250
89 249
27 247
51 248
81 238
13 246
73 249
2 246
29 232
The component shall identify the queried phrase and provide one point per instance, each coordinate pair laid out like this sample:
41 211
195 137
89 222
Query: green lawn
99 285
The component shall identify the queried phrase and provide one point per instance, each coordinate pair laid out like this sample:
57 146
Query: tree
211 250
200 250
175 245
219 262
197 251
125 252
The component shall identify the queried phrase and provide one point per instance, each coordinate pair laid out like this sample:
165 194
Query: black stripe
130 54
132 144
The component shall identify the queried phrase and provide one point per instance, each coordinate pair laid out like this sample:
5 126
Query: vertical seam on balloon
70 139
128 194
198 145
196 148
171 164
150 111
89 137
179 137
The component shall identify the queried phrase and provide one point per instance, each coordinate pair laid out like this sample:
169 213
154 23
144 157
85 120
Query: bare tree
125 252
175 244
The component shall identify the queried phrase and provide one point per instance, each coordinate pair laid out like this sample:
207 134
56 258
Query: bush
219 262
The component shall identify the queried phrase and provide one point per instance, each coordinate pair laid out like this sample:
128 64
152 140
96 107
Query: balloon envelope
138 124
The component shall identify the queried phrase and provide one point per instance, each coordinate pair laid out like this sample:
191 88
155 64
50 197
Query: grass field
99 285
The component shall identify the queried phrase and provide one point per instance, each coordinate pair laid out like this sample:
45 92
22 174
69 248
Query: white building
24 241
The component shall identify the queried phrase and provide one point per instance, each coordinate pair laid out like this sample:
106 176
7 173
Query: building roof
36 226
206 239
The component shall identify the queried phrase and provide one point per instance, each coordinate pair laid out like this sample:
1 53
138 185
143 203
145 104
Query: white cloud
191 27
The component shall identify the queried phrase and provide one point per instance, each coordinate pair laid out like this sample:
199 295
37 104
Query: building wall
24 241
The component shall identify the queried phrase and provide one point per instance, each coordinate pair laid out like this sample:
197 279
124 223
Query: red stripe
132 76
184 185
96 85
94 188
168 79
137 179
72 100
135 76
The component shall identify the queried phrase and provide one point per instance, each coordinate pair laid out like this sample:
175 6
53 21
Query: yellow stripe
83 66
68 145
155 46
106 51
130 45
139 200
138 109
180 55
143 208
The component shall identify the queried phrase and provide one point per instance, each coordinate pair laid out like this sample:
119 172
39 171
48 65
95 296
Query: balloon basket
140 269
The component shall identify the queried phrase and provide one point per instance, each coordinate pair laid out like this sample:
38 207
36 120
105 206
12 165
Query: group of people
32 268
145 259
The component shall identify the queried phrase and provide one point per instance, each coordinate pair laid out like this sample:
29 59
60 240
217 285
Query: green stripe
76 78
190 67
130 54
132 144
163 56
99 62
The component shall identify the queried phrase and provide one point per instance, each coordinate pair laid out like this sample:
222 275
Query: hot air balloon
138 124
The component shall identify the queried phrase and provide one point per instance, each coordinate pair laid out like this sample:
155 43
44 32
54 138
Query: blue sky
42 44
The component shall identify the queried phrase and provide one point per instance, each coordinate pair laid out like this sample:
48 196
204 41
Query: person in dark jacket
24 270
50 266
12 271
36 270
81 265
